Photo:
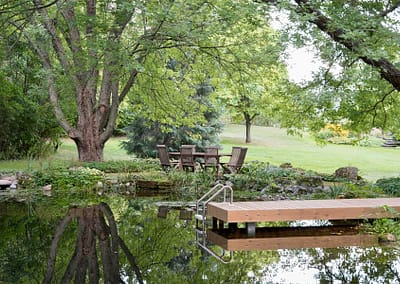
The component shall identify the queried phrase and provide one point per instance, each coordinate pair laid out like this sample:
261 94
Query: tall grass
269 144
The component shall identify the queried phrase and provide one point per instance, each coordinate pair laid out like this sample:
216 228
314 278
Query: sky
301 63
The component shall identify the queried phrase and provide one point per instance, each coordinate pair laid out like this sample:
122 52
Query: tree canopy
358 82
96 53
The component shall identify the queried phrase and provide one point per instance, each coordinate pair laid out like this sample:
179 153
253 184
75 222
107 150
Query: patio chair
211 158
235 163
187 161
165 161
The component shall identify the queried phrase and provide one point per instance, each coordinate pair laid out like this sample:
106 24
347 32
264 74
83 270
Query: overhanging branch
388 71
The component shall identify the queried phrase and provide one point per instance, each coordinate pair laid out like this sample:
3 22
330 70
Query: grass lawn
275 146
269 144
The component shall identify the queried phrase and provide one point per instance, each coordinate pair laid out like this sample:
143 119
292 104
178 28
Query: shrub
385 226
191 186
135 165
389 185
334 133
28 128
61 178
257 175
144 133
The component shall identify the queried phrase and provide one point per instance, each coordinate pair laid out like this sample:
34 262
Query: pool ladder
201 220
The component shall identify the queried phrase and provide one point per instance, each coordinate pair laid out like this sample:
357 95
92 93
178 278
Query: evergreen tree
144 134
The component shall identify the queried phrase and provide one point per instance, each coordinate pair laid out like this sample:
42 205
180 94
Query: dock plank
292 210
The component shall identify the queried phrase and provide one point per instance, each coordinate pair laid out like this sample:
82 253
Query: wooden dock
227 230
292 210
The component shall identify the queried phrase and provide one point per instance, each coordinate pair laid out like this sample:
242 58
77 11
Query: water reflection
273 238
320 254
97 238
342 265
48 240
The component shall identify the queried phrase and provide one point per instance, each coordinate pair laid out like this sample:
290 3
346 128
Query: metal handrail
214 192
209 192
217 188
219 191
220 257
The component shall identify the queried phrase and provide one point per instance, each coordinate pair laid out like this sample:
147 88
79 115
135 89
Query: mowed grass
275 146
269 144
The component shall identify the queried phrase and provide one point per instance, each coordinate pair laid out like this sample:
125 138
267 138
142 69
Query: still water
53 240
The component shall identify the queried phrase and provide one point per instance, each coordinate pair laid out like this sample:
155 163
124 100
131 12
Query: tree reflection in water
96 229
335 265
358 265
163 248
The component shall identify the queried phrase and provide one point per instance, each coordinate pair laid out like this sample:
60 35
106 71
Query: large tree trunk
91 121
89 148
97 96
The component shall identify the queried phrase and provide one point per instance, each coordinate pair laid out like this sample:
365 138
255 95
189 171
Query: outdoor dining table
199 155
202 155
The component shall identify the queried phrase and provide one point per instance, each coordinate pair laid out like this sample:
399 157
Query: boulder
350 173
388 238
286 166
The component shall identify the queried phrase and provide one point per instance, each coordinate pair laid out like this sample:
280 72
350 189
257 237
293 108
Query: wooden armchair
187 161
236 160
165 161
211 158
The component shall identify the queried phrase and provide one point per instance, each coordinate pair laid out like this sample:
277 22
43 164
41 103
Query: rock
14 184
350 173
286 166
46 190
388 238
46 187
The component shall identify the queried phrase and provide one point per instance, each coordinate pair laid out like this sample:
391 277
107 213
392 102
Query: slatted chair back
163 156
211 157
234 156
236 160
242 156
187 159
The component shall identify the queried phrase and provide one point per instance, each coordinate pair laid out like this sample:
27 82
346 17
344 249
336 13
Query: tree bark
247 119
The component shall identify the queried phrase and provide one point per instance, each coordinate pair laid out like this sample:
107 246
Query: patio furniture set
189 159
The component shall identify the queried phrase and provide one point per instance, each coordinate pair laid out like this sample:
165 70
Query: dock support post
251 229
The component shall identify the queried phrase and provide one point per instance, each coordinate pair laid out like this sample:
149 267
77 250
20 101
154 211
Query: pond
56 240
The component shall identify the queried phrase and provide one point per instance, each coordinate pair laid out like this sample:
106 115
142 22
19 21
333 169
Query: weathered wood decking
292 210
